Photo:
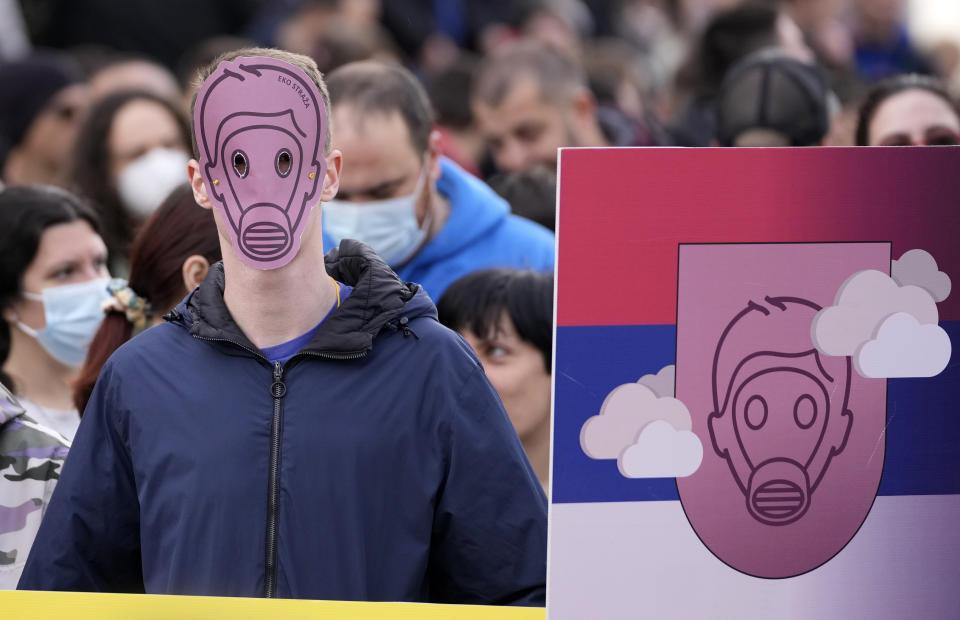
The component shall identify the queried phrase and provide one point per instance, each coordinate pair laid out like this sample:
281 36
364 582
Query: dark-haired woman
131 151
506 316
169 258
908 110
53 282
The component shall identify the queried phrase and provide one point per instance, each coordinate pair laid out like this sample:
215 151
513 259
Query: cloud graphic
625 411
661 383
904 348
662 451
862 303
918 267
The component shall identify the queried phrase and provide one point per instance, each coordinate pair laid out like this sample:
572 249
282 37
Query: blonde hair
304 63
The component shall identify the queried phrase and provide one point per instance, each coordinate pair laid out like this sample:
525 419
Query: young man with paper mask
292 431
425 216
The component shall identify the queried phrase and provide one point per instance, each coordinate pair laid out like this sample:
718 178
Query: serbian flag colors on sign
757 384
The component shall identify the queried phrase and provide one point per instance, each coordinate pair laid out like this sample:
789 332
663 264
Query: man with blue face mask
426 217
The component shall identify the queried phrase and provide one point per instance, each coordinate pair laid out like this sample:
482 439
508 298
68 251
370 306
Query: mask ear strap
427 220
424 173
26 328
421 184
32 296
15 318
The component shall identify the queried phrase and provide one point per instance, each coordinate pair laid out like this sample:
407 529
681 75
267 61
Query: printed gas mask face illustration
260 125
780 414
793 437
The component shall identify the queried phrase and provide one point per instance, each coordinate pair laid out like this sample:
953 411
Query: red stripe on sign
622 213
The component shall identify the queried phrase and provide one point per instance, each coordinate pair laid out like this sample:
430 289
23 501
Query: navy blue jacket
376 464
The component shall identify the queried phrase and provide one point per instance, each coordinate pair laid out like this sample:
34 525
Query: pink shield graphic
260 126
793 439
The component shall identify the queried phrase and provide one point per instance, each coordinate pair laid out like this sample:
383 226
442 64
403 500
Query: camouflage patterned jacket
30 460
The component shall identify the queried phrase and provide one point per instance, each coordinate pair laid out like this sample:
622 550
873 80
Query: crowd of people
438 151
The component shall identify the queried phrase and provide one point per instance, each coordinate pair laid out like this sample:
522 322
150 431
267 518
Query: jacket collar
475 210
10 408
379 298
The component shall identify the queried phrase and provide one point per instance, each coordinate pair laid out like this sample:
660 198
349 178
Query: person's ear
194 270
433 156
199 187
331 181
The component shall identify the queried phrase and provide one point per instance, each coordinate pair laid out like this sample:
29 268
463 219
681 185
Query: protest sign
756 384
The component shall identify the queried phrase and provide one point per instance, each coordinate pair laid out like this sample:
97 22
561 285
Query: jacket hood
475 209
379 299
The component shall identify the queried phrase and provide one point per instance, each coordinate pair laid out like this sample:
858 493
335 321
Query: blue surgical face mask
389 226
73 313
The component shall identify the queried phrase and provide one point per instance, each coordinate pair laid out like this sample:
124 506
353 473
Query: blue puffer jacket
376 464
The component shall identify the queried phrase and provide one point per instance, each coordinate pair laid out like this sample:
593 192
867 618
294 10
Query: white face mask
389 226
73 313
150 178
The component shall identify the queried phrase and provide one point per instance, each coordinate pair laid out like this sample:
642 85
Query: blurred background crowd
95 98
616 72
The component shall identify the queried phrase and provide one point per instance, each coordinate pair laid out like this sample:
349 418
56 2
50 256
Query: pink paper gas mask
780 412
260 125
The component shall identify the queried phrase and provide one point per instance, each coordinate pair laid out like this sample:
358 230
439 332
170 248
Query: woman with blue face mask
53 283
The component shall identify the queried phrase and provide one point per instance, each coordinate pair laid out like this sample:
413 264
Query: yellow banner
84 606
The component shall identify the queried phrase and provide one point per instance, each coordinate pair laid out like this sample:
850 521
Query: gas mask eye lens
284 162
805 411
240 165
755 412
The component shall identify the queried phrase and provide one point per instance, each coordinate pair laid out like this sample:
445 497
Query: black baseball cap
771 90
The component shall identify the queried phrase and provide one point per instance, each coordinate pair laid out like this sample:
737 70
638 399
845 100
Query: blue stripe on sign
923 417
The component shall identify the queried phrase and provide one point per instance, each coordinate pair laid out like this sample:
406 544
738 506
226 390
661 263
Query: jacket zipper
278 390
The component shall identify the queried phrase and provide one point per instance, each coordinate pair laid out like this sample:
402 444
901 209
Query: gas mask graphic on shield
260 125
780 410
